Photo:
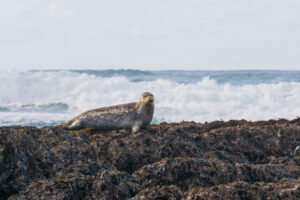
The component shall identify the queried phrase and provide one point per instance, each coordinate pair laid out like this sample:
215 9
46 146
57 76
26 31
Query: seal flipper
136 126
75 125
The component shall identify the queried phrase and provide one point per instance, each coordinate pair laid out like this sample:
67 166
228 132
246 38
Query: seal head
145 110
134 115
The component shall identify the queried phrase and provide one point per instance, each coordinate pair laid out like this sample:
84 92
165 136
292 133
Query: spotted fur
132 115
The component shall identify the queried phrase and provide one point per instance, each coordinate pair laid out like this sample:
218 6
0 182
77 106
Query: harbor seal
134 115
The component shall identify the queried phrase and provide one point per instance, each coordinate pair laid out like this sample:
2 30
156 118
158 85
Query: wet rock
171 192
229 160
244 190
83 181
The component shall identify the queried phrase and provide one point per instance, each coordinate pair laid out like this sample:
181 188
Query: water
42 98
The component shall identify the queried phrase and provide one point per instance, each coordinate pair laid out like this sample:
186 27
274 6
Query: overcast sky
150 34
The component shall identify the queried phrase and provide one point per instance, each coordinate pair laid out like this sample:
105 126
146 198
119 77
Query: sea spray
48 97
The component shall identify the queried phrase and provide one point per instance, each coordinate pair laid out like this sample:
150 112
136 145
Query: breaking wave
48 97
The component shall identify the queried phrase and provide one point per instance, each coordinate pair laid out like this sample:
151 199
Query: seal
134 115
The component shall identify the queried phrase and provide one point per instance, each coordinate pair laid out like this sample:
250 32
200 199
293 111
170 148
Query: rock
187 160
160 192
83 181
244 190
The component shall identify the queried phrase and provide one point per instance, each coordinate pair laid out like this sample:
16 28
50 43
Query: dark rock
244 190
161 192
218 160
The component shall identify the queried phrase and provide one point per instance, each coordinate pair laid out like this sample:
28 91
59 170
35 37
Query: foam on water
48 97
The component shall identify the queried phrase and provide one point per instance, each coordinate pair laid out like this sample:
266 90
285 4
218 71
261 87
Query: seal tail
64 125
72 125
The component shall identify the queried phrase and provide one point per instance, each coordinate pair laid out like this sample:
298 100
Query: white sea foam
51 97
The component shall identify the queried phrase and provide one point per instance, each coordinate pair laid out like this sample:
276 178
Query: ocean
48 97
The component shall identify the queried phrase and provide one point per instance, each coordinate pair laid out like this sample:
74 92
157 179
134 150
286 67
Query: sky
150 34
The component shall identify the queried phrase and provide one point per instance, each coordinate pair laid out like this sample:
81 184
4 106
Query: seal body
134 115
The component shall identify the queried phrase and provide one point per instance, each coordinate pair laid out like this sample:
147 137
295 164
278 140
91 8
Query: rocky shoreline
187 160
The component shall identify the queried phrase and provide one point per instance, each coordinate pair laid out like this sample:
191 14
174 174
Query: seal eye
146 94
